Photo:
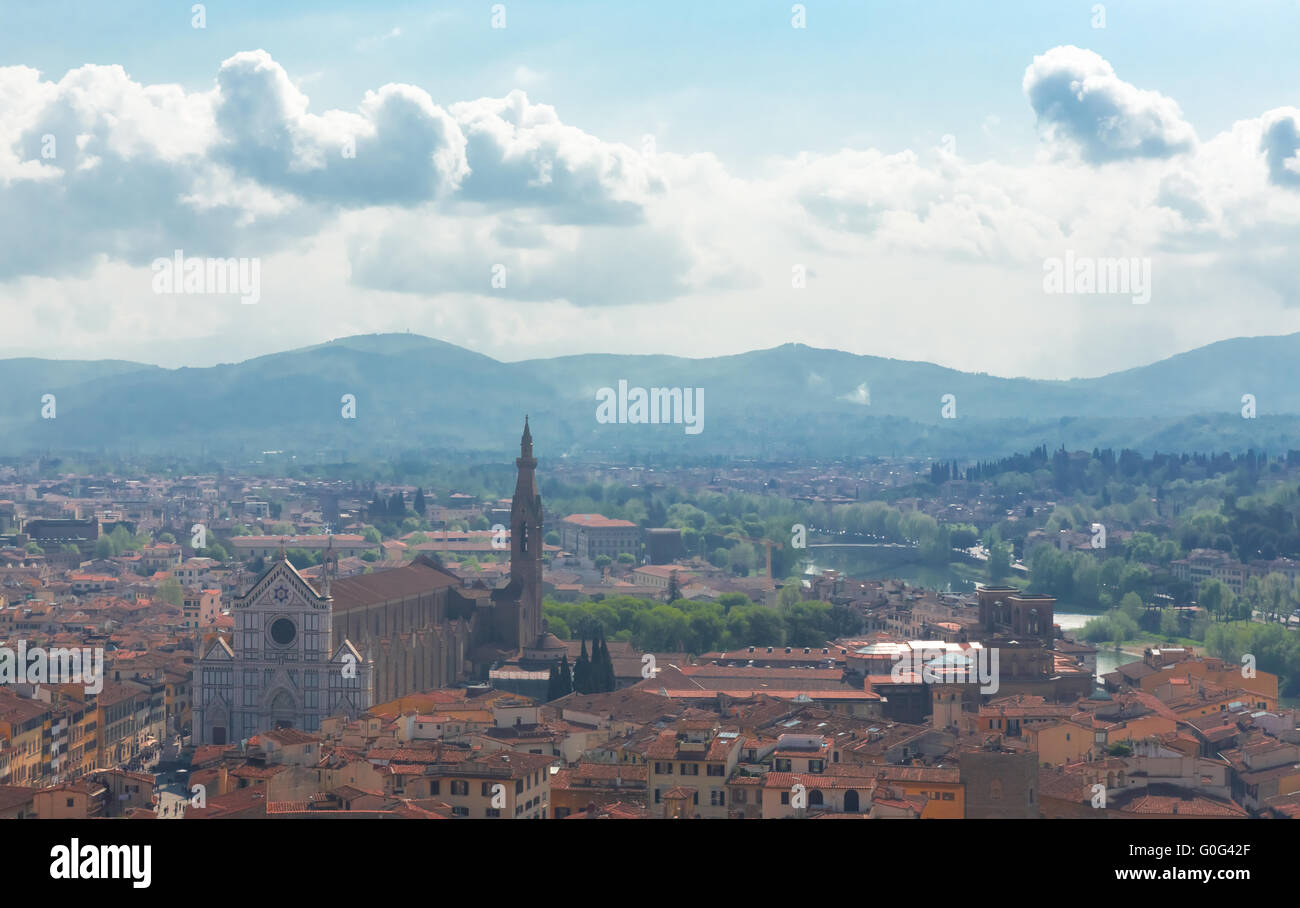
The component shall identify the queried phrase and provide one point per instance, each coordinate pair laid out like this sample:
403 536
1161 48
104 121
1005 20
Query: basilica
301 652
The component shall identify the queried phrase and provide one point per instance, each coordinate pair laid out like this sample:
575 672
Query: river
1107 659
902 564
889 564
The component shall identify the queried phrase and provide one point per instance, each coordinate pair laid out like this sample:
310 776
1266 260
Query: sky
538 179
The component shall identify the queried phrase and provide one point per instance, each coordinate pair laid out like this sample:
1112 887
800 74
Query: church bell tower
526 541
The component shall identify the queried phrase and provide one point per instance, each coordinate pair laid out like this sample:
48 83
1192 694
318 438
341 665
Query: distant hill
414 392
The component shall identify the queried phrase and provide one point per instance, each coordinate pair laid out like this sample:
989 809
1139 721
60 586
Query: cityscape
489 411
279 644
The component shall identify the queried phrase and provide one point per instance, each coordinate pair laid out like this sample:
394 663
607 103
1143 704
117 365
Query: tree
999 560
596 671
301 558
560 683
1169 622
582 671
603 561
674 588
791 593
608 681
565 683
807 623
419 505
1131 605
1277 595
1215 598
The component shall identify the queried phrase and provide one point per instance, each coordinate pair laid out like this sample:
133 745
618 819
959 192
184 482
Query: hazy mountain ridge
416 392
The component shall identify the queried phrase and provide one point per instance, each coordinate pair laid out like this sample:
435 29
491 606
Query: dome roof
548 641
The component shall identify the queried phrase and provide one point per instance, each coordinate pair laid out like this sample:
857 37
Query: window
816 765
785 797
435 788
717 798
717 770
947 796
491 813
486 790
781 765
459 787
738 797
690 769
657 796
519 786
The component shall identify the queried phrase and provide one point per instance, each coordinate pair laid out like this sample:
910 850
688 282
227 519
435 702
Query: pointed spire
526 443
328 565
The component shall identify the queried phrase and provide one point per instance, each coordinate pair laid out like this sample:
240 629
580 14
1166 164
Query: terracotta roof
417 578
596 520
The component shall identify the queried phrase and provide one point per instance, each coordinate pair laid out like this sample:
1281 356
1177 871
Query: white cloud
522 155
1080 101
917 255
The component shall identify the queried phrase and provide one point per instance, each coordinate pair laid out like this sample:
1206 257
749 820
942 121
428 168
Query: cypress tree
419 504
566 676
609 681
553 683
582 671
596 674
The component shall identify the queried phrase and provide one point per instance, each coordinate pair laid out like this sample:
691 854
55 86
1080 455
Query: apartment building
501 785
689 767
591 535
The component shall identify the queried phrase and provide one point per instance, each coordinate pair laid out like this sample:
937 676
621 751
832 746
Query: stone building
299 654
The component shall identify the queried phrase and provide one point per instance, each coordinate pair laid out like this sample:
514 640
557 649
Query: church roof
414 579
548 641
